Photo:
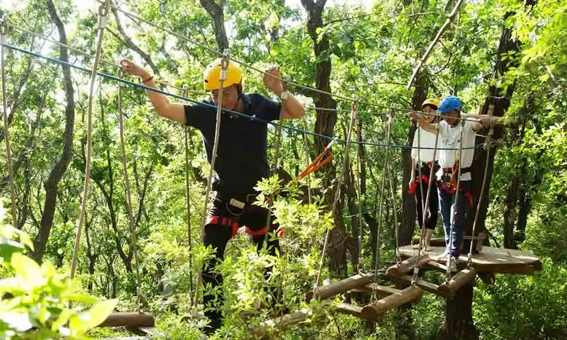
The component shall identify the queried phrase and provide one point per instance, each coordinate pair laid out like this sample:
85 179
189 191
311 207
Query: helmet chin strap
239 88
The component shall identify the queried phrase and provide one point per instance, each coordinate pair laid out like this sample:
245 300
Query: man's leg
255 219
217 236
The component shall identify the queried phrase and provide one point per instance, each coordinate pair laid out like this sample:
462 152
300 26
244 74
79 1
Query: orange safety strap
320 161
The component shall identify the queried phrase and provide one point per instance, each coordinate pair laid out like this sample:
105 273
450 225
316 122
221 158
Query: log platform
489 260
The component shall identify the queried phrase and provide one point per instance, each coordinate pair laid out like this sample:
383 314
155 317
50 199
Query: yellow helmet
431 102
213 72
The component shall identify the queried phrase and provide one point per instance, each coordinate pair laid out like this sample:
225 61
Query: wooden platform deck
489 260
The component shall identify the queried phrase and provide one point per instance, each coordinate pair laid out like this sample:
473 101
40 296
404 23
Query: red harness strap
224 221
263 232
234 225
424 178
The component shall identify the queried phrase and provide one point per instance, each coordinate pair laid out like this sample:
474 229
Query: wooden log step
380 290
284 322
407 265
437 265
374 311
343 286
129 319
349 309
457 281
424 285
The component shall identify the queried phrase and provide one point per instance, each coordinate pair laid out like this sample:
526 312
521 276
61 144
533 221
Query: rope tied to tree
3 33
336 199
103 12
128 191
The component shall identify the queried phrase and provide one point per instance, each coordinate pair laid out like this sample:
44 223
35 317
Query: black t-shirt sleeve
266 109
198 116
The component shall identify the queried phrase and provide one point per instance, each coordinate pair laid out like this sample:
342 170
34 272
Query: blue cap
450 103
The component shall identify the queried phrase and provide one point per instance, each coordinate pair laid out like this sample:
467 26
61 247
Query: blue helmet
449 104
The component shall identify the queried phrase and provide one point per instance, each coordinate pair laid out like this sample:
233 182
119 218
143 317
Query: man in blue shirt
241 161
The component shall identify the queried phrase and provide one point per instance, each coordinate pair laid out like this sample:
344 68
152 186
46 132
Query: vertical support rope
390 174
3 31
188 201
277 155
102 17
222 78
337 197
454 205
307 154
359 170
129 195
477 213
381 203
432 174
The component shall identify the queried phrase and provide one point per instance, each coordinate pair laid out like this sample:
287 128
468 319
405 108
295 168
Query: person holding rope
423 165
241 160
454 142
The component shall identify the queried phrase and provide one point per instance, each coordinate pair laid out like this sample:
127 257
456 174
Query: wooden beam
457 281
285 322
343 286
374 311
521 269
129 319
381 291
424 285
435 242
407 265
349 309
438 266
488 278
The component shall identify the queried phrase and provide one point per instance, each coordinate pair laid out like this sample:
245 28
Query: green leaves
79 324
36 297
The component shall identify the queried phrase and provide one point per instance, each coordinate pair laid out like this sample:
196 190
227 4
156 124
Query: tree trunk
52 183
217 15
325 122
460 327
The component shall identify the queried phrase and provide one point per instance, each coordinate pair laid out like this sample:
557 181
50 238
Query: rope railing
171 84
210 105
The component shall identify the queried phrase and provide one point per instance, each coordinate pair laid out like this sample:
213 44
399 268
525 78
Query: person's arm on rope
159 101
422 123
293 109
484 122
